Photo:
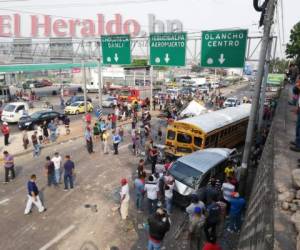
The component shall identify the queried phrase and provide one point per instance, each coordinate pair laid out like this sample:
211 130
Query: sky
195 15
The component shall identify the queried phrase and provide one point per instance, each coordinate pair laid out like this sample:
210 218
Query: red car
46 83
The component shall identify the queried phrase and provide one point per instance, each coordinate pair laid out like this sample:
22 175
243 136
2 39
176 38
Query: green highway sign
116 49
223 48
167 49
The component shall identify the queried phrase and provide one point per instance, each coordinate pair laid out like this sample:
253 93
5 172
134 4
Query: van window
21 107
9 108
185 174
198 141
171 135
184 138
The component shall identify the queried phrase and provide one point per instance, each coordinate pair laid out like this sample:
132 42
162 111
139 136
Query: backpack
214 213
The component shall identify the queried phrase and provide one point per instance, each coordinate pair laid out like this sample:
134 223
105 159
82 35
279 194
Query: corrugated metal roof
203 160
211 121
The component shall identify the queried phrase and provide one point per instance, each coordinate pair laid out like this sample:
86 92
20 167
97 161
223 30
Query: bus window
184 138
207 141
198 141
171 135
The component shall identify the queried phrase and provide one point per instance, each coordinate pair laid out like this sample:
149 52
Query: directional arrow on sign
167 58
221 59
116 57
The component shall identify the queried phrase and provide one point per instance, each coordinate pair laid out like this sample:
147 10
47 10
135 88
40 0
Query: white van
92 87
193 171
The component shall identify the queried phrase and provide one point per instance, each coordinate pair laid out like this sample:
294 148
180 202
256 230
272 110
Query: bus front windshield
185 174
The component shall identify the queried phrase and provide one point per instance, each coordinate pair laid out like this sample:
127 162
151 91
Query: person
96 131
196 229
211 244
5 131
195 202
40 134
69 168
153 158
56 159
169 196
9 166
88 119
222 206
139 188
211 191
36 145
113 121
159 225
116 140
52 127
67 125
88 139
49 168
159 133
25 139
105 136
33 196
151 190
237 205
141 167
45 132
124 199
213 213
227 189
229 170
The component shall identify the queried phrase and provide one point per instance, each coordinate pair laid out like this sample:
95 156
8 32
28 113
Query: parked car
193 171
77 98
76 108
109 102
231 102
38 118
13 111
46 83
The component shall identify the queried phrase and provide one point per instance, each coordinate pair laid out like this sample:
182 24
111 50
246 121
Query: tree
278 65
293 47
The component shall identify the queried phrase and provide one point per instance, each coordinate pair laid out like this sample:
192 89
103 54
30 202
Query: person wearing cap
159 225
196 229
124 199
195 202
237 204
5 131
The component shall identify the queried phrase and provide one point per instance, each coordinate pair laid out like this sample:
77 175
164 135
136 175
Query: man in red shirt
211 244
5 132
113 121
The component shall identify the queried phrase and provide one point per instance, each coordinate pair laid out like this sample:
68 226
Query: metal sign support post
151 88
84 86
99 81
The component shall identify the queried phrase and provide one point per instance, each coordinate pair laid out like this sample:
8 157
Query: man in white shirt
151 188
56 159
195 202
124 199
227 189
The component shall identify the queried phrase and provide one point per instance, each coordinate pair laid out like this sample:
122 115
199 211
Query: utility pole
99 82
84 86
264 86
268 20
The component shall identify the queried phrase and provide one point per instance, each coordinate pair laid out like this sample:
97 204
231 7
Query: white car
231 102
109 102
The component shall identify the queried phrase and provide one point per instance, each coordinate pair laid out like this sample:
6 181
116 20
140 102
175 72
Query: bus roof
217 119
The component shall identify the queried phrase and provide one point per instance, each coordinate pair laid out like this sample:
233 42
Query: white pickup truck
13 111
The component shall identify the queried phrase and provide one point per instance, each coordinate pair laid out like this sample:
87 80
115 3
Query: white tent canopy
193 109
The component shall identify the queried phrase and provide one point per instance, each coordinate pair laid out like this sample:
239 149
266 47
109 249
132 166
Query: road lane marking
4 201
58 237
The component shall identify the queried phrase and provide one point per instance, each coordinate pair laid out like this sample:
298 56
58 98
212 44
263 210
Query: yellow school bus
223 128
